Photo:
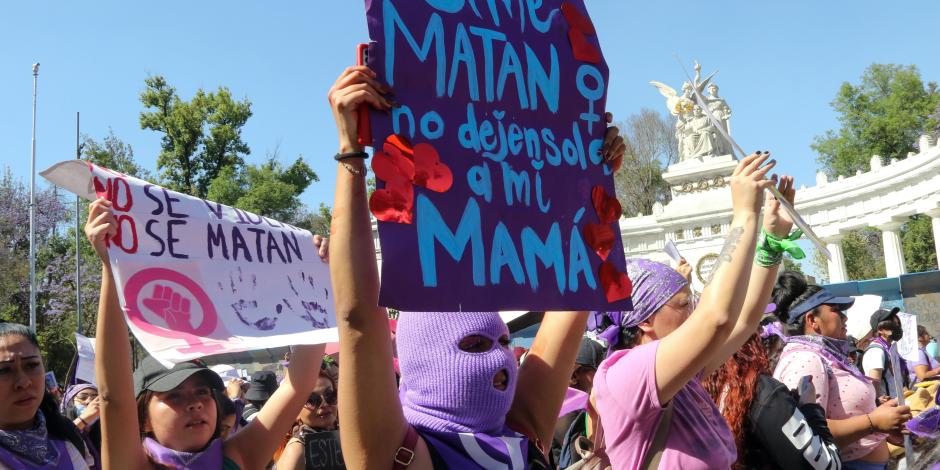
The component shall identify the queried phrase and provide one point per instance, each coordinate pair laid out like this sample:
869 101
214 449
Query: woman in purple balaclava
463 402
665 345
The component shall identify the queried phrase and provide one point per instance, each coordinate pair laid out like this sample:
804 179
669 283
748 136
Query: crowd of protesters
755 371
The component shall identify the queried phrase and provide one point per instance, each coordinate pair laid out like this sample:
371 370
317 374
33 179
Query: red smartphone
364 128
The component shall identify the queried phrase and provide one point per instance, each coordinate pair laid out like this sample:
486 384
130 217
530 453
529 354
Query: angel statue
681 106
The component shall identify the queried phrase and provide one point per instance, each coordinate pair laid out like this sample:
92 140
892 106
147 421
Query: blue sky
780 64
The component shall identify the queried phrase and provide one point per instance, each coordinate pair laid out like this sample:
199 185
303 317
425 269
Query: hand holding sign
100 226
776 220
356 86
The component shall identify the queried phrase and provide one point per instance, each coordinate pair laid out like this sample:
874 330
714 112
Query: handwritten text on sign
199 278
493 193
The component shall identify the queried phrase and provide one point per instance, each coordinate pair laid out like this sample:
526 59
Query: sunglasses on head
316 400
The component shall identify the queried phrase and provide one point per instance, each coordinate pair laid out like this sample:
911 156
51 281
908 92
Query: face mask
79 409
896 333
444 388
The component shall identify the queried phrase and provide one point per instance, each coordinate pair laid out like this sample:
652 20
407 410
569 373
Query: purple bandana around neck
653 285
446 389
468 451
31 444
834 350
209 458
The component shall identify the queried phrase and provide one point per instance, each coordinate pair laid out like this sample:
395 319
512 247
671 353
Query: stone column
894 256
935 222
836 265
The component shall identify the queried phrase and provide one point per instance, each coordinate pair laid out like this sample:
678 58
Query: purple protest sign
492 192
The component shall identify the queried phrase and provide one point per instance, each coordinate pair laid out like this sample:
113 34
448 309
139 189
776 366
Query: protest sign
198 278
673 251
908 348
492 189
322 451
85 364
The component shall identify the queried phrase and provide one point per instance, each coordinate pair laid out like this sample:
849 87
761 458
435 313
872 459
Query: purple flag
492 190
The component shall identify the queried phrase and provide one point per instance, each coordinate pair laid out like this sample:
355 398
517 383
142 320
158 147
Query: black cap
263 384
151 375
590 353
881 315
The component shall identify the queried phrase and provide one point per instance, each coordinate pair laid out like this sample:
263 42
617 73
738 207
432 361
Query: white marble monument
697 218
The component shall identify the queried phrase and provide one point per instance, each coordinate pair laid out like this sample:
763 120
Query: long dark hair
58 426
733 385
791 290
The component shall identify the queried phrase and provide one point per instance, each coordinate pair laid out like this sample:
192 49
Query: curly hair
732 387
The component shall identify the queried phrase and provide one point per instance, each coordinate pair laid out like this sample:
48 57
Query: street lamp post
32 212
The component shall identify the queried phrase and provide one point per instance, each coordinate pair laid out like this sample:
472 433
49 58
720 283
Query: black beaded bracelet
345 156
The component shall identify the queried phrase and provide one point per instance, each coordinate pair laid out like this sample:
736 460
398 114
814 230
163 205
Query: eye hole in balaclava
458 373
479 343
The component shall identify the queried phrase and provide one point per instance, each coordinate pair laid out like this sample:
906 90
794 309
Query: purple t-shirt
923 359
627 401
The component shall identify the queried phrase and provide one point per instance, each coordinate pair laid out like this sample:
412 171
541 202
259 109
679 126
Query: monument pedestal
698 174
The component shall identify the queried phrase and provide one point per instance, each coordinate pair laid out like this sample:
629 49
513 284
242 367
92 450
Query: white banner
198 278
85 364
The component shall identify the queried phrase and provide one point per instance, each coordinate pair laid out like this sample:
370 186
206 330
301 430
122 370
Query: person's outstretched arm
120 430
692 346
254 445
761 283
543 377
373 424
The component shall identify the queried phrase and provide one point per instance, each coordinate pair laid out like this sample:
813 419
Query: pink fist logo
170 306
174 298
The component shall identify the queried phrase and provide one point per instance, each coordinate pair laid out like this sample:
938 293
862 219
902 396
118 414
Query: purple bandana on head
653 285
446 389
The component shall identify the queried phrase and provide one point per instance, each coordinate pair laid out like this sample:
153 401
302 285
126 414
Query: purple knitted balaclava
444 388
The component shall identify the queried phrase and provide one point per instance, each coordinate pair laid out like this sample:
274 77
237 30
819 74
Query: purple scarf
468 451
836 351
653 285
209 458
32 445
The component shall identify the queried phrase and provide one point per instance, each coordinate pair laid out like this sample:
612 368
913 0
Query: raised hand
614 146
355 86
323 247
749 181
776 220
100 227
173 308
685 269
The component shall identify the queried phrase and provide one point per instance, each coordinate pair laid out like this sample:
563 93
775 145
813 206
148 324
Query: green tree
268 189
651 147
883 115
201 137
317 222
864 255
114 154
917 241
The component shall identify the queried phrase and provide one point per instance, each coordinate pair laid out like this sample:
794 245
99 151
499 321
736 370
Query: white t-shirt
874 358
